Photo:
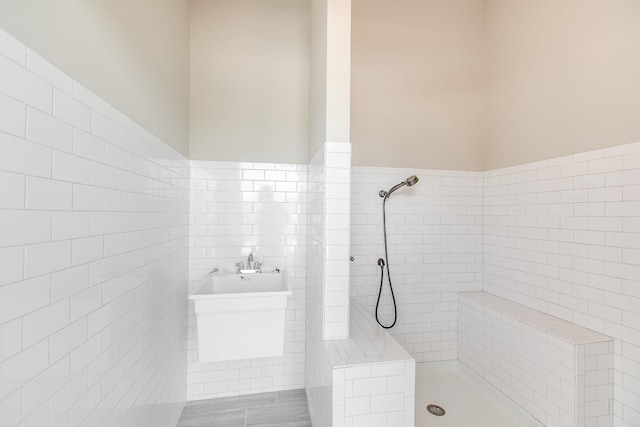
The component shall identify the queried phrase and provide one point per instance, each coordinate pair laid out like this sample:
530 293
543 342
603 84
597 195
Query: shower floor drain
436 410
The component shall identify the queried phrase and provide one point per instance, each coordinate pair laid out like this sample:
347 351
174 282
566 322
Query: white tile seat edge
373 376
559 372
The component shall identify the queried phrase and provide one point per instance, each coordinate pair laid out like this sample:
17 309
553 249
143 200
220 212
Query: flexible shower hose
381 263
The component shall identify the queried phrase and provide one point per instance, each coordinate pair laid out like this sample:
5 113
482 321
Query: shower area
501 271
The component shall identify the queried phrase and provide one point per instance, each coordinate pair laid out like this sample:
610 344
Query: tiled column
337 239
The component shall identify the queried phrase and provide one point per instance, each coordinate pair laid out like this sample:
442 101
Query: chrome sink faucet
250 267
250 261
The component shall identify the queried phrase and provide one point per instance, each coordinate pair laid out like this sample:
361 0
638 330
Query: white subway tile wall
319 372
373 376
93 257
563 236
375 395
237 208
435 251
594 384
337 193
560 373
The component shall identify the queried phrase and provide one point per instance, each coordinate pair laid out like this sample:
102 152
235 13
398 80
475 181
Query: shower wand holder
409 182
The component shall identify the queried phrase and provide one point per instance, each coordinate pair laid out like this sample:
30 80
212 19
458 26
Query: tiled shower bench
373 376
557 371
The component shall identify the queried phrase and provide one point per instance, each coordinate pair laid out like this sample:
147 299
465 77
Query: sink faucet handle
240 265
257 265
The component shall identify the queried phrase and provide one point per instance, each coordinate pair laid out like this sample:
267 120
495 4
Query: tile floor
280 408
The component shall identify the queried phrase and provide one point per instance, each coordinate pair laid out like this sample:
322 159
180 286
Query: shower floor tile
281 408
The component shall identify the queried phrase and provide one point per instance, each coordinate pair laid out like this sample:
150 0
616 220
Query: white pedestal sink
241 316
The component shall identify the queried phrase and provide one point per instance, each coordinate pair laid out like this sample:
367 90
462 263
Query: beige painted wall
134 54
417 96
330 73
250 80
564 77
318 76
338 90
561 77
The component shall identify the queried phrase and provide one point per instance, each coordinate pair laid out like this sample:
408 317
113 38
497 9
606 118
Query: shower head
412 180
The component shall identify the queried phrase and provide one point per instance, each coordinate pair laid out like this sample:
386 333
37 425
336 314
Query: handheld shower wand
412 180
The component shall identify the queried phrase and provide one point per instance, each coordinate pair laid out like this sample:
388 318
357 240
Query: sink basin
227 284
241 316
